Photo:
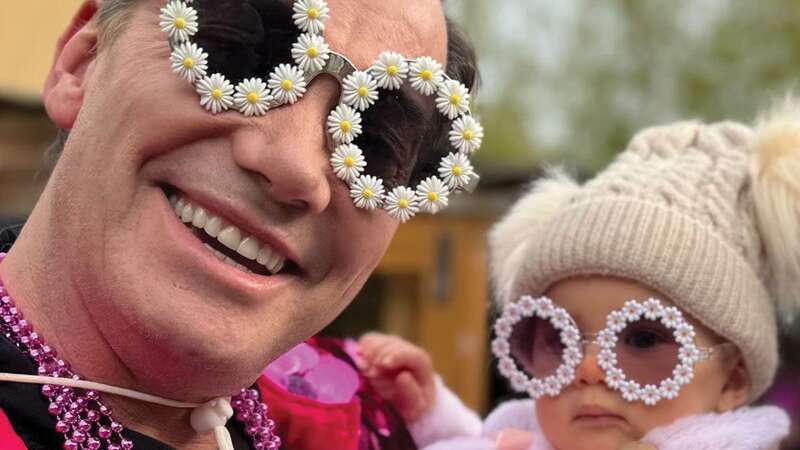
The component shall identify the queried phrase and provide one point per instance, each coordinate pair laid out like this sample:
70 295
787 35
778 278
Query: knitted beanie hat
709 215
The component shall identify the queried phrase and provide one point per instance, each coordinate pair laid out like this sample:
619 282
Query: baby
638 310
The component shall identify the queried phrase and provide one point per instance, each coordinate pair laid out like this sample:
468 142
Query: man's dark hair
430 146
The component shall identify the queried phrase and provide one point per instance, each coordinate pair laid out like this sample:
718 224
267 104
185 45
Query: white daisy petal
216 93
348 162
466 134
402 204
344 124
310 52
390 70
189 61
179 21
310 15
252 97
456 170
359 90
426 75
453 99
433 195
367 192
288 84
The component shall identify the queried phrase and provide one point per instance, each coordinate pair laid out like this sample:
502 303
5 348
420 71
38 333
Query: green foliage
571 81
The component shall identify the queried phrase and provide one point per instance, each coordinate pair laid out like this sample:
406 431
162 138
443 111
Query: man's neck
52 303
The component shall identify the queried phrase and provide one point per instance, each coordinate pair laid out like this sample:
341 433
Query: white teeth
200 218
249 248
188 213
264 255
179 206
229 235
221 256
213 226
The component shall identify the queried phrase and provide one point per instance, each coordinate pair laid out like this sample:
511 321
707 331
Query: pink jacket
452 426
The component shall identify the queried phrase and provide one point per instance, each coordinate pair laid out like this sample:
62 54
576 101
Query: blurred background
564 82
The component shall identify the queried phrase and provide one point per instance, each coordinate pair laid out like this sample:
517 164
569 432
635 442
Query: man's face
167 305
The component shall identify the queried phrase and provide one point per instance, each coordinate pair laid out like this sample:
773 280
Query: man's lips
230 243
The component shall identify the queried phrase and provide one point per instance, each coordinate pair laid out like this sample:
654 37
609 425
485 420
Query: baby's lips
514 439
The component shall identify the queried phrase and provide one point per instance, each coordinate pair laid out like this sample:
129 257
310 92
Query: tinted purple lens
536 346
647 352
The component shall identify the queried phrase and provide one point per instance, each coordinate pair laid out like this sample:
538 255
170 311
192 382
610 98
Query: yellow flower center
367 194
392 70
312 52
349 162
426 75
402 204
216 94
180 23
345 126
468 135
313 13
287 85
363 91
433 196
188 62
457 171
252 98
455 99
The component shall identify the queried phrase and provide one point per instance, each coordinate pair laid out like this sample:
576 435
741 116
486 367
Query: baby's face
588 414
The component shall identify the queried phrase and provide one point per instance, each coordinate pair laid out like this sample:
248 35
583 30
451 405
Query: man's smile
230 242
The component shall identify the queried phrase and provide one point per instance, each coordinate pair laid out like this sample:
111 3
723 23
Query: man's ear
75 50
736 391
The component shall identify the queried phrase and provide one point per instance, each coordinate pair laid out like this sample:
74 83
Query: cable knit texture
674 212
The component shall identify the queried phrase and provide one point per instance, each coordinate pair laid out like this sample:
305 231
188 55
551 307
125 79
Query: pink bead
78 436
71 445
116 427
104 432
62 427
84 426
93 443
92 416
105 410
53 409
126 444
113 447
70 417
92 395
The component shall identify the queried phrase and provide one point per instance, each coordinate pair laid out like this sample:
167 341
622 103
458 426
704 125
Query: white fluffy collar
752 428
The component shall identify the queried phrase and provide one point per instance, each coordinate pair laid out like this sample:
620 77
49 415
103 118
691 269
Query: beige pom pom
507 239
776 191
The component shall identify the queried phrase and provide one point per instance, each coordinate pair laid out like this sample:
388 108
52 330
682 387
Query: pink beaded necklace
82 417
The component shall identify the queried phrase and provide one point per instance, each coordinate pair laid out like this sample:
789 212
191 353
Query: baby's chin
593 439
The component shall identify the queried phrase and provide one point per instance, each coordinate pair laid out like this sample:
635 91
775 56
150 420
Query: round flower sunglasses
647 350
310 56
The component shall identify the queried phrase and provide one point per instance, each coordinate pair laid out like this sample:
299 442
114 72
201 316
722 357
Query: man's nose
288 148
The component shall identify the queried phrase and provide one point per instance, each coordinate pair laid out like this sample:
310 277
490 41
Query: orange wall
28 33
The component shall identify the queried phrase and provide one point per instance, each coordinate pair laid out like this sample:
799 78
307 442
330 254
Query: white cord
205 418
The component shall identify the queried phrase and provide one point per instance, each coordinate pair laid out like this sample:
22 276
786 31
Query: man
129 295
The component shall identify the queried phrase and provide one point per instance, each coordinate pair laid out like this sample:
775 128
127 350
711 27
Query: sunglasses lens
396 129
647 352
536 345
245 39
